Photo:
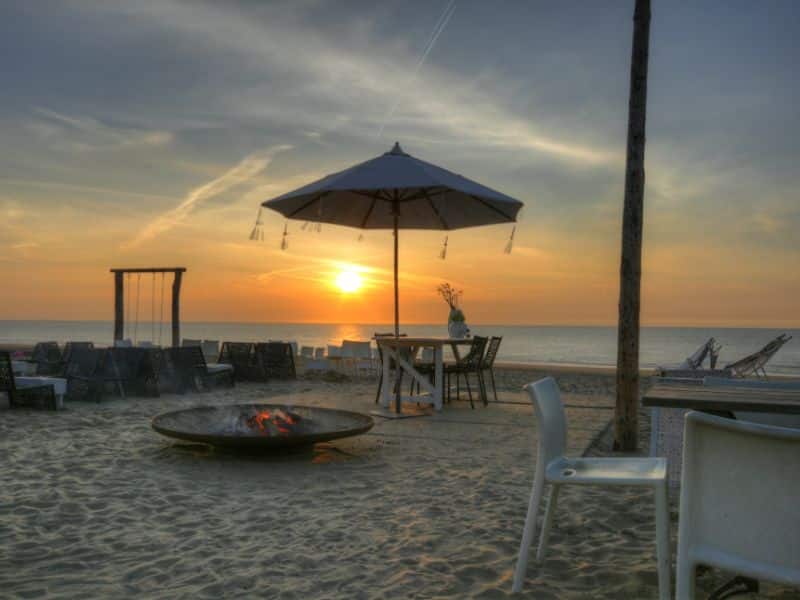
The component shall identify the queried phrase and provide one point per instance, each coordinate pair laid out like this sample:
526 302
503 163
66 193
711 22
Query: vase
456 325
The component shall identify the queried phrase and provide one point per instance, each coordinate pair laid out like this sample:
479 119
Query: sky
146 133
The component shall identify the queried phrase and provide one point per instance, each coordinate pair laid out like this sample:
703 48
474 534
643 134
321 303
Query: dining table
724 401
403 351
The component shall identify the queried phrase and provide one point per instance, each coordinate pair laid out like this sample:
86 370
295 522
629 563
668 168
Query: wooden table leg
387 357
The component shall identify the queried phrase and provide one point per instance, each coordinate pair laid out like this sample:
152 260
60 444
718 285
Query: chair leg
552 501
663 555
469 390
482 383
380 385
685 580
494 387
528 532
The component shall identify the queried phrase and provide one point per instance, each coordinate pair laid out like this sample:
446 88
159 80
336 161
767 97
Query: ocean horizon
541 344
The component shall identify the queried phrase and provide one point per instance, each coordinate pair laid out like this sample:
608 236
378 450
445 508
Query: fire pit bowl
257 427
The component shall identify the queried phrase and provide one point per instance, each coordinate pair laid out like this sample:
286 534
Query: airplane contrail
441 23
245 170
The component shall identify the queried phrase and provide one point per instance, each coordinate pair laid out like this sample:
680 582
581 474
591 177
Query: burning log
266 421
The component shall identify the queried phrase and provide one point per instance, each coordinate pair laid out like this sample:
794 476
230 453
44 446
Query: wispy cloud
359 80
244 171
79 133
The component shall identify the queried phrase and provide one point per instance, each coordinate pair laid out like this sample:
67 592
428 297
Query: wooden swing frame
119 299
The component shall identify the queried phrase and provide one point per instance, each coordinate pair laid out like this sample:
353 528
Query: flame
280 419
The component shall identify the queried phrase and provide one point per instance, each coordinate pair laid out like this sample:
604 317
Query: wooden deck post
176 309
119 306
626 416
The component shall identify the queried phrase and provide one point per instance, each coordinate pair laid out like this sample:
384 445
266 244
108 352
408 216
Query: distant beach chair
359 356
241 356
738 507
319 353
69 347
307 351
41 396
554 468
191 342
754 363
192 372
83 373
126 343
134 371
210 350
48 358
276 360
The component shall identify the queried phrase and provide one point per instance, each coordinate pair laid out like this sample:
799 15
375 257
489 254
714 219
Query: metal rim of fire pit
186 425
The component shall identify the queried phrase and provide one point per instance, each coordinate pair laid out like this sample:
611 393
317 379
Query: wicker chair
276 360
191 372
83 372
241 356
40 396
488 362
70 346
48 358
469 364
135 371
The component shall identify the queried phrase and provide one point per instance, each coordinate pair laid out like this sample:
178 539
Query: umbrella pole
396 293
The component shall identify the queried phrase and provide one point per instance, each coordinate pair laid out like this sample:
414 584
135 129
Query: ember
281 420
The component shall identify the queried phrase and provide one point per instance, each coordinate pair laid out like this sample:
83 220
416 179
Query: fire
280 419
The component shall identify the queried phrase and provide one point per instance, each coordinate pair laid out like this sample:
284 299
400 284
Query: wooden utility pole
626 417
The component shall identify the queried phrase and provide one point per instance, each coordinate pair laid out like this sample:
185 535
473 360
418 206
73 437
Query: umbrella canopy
397 191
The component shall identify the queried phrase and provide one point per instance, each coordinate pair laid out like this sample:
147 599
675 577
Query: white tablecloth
59 385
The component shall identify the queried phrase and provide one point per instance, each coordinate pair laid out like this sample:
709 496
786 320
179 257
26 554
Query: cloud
244 171
323 78
85 134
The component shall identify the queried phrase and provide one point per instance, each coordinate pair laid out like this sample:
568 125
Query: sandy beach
96 504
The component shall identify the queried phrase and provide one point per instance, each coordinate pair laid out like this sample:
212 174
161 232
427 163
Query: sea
525 344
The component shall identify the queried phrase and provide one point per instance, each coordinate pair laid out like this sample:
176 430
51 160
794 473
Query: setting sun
348 281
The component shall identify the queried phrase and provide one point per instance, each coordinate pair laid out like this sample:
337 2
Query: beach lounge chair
319 353
467 365
190 371
191 342
754 363
276 360
36 396
738 507
48 358
307 352
554 468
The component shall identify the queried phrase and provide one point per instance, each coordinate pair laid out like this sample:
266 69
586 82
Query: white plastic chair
738 511
359 355
554 468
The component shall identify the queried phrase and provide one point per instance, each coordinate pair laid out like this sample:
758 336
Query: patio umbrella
397 191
